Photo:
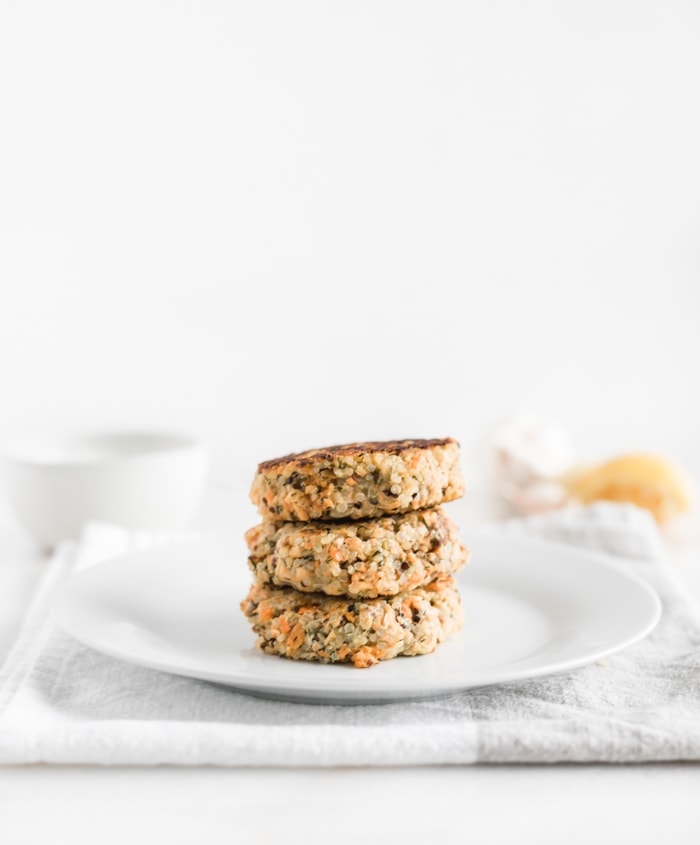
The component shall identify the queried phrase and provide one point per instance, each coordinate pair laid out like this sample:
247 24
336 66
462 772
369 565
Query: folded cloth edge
36 624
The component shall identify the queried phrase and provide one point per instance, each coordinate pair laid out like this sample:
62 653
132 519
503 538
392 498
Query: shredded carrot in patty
296 638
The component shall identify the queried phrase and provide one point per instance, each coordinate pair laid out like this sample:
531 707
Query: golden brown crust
352 449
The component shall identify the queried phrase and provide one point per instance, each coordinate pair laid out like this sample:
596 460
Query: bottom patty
313 626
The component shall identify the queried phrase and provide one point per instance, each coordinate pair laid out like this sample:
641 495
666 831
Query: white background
288 224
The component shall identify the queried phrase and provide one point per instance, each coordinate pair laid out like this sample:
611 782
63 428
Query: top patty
358 480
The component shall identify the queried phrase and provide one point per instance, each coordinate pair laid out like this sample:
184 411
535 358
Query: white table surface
496 804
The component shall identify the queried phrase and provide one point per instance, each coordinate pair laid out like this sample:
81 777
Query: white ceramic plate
532 608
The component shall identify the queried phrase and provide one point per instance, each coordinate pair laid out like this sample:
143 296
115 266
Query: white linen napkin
61 702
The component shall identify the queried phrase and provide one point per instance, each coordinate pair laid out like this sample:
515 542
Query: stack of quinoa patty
354 559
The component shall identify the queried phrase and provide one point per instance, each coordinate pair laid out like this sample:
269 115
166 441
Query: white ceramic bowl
140 480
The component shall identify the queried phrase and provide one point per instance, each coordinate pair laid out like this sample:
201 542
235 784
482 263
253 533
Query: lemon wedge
649 481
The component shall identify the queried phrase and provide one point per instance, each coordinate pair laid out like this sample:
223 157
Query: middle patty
363 558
